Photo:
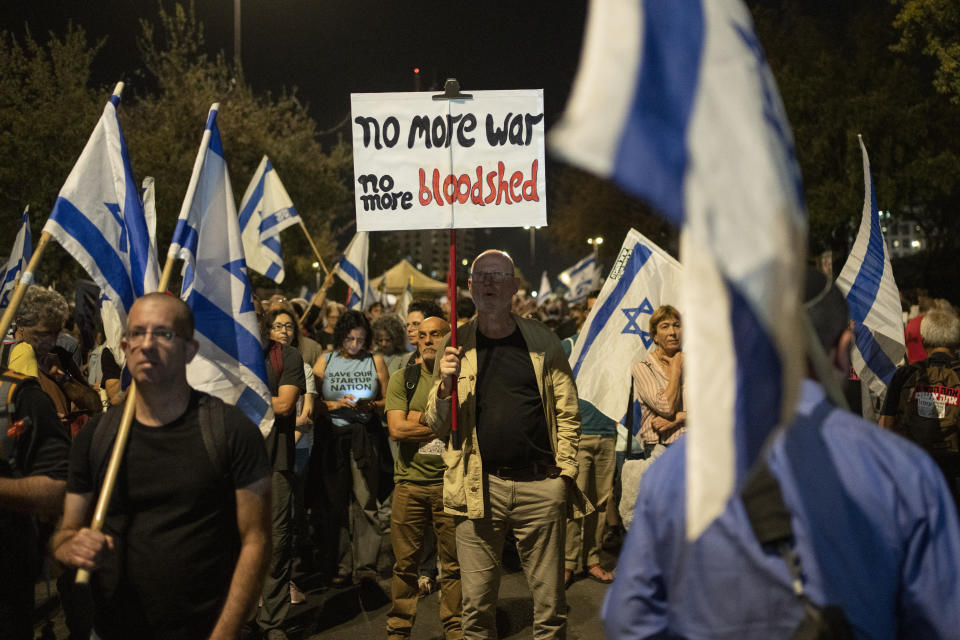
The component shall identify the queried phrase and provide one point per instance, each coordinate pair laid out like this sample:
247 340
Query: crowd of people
383 429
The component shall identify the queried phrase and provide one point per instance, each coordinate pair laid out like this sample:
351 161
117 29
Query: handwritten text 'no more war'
439 131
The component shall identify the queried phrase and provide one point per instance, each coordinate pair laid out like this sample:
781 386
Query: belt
533 471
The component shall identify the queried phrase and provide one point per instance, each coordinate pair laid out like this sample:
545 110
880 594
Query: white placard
421 163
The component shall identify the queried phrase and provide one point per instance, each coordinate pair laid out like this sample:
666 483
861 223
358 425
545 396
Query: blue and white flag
265 211
581 278
352 269
674 101
544 290
872 295
615 335
17 263
230 364
99 218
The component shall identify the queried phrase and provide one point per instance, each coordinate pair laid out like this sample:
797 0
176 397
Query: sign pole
452 298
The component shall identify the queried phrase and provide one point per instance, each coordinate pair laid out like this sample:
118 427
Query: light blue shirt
884 544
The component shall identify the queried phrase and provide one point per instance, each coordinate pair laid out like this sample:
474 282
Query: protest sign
421 163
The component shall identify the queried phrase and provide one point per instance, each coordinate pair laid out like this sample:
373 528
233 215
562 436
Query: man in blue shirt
873 524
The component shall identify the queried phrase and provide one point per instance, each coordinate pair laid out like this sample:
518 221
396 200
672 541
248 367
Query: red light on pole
416 78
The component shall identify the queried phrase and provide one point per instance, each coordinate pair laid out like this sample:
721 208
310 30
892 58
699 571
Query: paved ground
359 613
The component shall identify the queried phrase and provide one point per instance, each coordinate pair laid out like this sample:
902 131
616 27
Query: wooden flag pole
26 279
314 247
120 444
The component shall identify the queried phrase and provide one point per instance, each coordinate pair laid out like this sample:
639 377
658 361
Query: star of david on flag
265 211
612 339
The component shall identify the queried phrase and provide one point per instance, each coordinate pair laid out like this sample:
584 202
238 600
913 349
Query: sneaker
296 595
425 586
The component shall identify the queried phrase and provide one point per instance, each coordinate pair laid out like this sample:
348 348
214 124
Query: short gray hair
940 329
42 306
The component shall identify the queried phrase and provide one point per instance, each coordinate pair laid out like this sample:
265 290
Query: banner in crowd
872 295
616 333
421 163
230 363
17 262
675 102
265 211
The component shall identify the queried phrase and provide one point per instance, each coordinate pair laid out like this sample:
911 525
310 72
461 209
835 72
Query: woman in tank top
352 382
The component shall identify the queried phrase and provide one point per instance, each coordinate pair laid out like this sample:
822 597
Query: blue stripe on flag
583 266
186 236
759 376
273 270
252 405
638 257
221 329
79 226
252 203
353 272
354 300
134 220
872 353
215 144
273 244
653 143
864 290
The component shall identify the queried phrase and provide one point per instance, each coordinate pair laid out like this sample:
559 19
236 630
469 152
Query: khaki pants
415 508
597 459
535 511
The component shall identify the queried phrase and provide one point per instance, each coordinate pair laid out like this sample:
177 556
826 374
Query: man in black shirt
517 407
187 534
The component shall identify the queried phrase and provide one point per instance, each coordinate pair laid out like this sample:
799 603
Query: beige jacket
463 478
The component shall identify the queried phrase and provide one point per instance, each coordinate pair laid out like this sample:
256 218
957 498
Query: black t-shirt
174 520
891 403
280 442
511 424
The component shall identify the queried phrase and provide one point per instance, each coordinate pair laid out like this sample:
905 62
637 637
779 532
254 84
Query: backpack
929 408
411 377
15 433
212 430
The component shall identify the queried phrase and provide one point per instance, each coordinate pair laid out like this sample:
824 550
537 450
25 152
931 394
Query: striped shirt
649 385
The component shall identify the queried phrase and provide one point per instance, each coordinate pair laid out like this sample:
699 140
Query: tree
933 27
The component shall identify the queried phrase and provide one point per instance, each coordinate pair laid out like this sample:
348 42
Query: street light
595 241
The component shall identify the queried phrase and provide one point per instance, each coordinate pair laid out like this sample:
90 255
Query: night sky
331 48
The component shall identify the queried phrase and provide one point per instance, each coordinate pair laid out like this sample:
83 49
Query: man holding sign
517 403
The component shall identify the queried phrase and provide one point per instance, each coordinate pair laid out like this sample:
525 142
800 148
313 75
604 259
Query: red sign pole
452 297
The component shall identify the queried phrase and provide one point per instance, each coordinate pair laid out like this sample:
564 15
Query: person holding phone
352 381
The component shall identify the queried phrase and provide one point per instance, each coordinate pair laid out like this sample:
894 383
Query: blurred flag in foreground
581 278
265 211
674 101
867 282
99 218
615 334
352 269
230 364
20 256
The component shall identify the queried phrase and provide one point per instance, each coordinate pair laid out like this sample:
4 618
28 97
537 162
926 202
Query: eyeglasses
494 276
165 336
283 327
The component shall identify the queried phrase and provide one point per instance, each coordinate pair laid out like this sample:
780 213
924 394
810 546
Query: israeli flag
616 333
352 269
99 217
674 101
581 278
544 290
265 211
230 364
872 295
17 263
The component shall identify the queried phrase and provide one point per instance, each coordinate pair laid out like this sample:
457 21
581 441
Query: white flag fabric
403 302
872 295
544 290
230 363
99 218
674 101
615 334
265 211
20 255
352 269
581 278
